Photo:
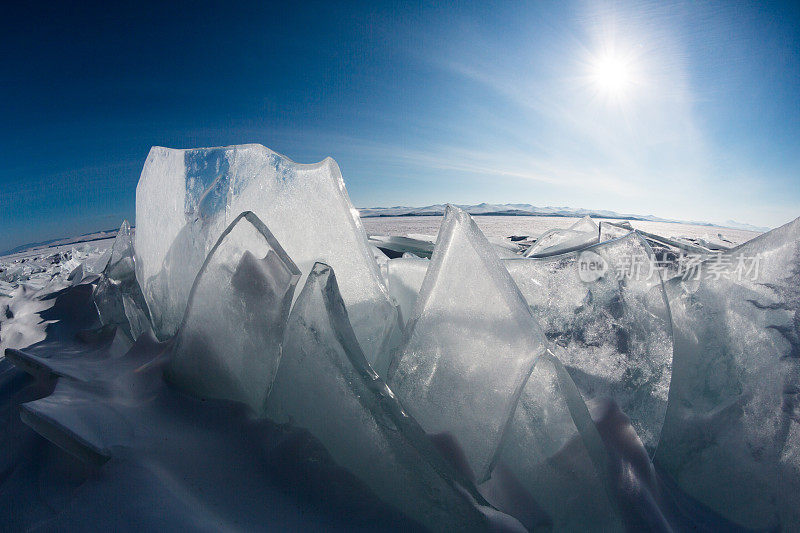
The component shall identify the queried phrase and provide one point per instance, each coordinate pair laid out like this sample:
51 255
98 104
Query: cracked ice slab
400 245
615 330
186 198
325 385
581 234
471 342
613 324
730 436
228 345
614 230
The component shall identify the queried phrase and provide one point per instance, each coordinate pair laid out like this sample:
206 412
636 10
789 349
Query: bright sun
612 75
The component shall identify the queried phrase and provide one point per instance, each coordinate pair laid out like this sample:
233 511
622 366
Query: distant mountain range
532 210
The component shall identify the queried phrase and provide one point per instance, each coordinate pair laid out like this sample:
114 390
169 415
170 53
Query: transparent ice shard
703 245
98 262
614 230
121 263
677 245
117 296
607 308
382 261
470 344
325 384
401 245
714 244
553 448
559 241
504 247
76 275
186 198
708 243
397 246
729 437
172 239
228 345
404 277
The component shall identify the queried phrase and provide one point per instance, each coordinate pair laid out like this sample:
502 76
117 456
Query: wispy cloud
645 144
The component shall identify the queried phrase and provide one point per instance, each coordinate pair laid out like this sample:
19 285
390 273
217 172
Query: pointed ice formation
228 346
121 264
614 325
118 298
470 344
186 198
76 275
586 225
554 449
731 433
325 385
606 306
558 241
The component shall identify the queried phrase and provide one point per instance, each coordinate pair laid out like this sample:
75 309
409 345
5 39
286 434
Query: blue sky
681 110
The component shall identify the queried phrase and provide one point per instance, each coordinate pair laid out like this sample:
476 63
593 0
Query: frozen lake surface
534 226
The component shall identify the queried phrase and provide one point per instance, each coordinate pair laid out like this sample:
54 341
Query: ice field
254 355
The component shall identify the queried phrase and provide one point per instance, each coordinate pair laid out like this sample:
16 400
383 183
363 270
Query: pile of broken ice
471 390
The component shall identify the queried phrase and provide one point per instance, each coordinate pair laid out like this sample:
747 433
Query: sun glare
612 75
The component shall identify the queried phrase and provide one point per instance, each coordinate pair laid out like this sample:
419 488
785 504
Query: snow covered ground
38 266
